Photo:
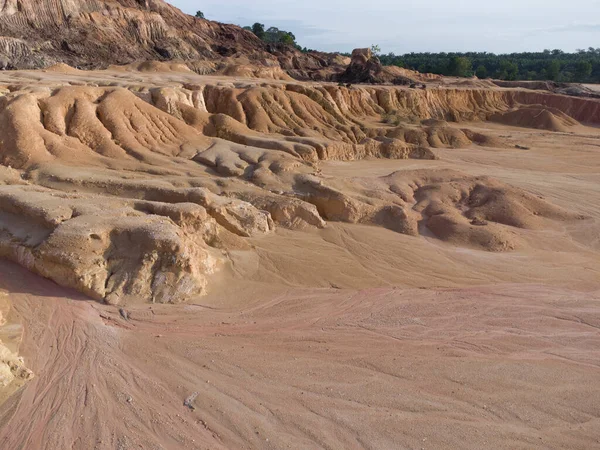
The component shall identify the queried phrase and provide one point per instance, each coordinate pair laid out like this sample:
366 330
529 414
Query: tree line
273 35
582 66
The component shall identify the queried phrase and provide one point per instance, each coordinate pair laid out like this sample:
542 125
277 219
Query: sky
499 26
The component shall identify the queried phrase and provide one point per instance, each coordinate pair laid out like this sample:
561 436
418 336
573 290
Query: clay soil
355 334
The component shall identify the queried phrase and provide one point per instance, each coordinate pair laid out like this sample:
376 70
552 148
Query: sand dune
536 116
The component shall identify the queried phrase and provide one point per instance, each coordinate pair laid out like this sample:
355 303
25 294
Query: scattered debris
479 222
189 402
124 313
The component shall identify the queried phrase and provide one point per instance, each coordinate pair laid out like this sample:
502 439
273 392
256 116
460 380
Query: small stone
112 299
479 222
124 313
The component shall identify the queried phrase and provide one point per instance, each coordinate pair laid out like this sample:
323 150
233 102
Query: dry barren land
205 262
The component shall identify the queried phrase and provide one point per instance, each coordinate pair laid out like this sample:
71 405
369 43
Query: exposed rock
140 190
367 68
237 216
456 208
98 33
76 242
95 33
12 367
364 68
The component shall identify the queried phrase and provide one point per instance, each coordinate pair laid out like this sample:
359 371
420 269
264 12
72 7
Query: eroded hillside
318 248
99 33
131 185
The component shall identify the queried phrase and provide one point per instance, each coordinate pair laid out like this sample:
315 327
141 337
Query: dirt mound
438 134
364 68
153 66
536 116
98 33
470 211
534 85
571 89
483 139
62 68
434 137
471 83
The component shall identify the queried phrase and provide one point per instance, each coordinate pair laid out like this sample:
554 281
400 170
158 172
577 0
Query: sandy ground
595 87
351 336
509 366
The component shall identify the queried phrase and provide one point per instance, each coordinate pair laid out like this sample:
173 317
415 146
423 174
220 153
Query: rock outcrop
95 33
365 67
98 33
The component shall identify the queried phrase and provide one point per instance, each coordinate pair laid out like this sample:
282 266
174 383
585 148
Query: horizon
511 27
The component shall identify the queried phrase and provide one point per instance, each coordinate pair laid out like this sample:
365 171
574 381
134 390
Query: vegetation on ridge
273 35
582 66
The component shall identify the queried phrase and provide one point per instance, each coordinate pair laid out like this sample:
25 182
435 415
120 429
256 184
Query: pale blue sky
405 26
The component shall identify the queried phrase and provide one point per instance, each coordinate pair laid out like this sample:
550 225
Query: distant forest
582 66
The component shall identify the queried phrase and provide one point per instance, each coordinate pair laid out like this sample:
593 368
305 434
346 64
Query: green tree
375 49
514 66
259 30
273 35
583 70
200 15
288 39
276 36
481 72
508 70
459 66
531 75
553 69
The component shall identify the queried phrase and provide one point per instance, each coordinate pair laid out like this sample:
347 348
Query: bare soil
363 295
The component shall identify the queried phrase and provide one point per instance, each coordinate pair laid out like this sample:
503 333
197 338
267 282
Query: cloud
574 28
436 25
